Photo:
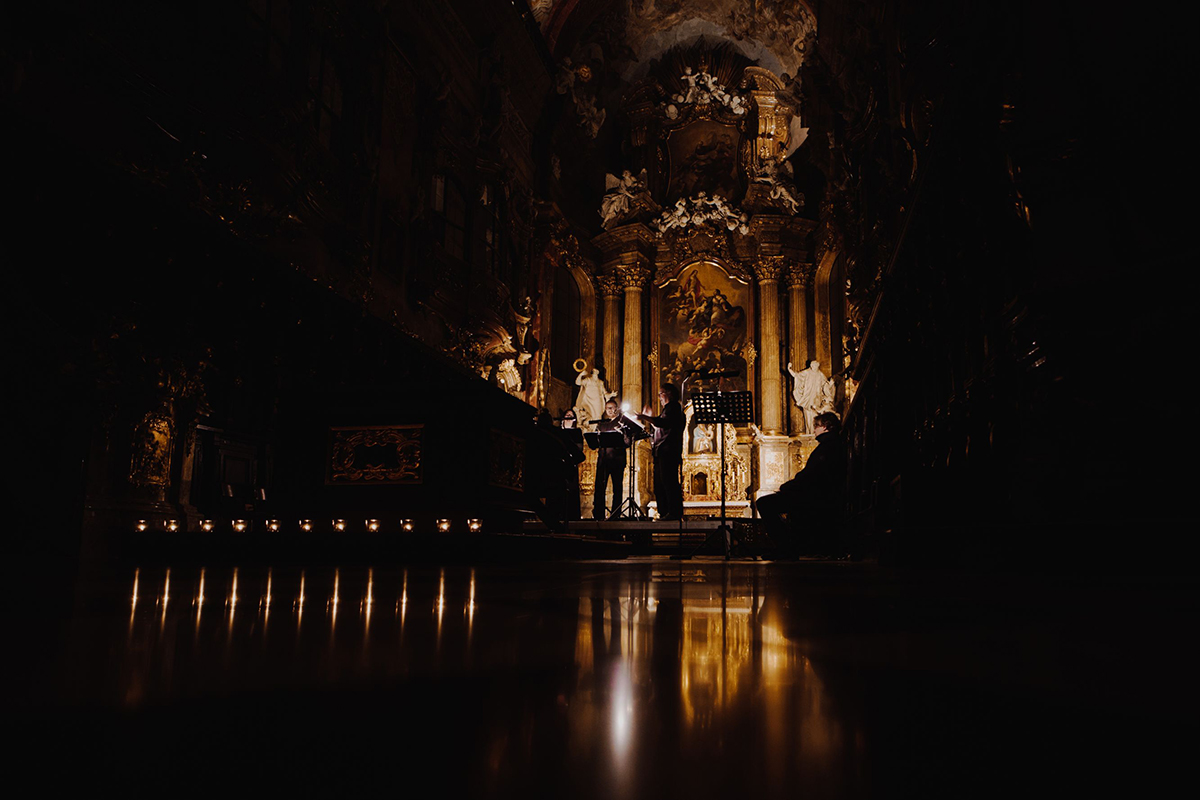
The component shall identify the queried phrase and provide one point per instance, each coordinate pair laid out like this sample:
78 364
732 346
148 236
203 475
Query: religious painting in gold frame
704 325
704 158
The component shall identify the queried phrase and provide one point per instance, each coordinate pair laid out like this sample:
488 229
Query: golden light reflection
368 601
622 712
471 604
440 606
134 599
199 598
300 603
267 603
402 603
333 601
232 598
166 598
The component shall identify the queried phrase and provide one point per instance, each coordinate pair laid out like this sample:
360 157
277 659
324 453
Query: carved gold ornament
387 454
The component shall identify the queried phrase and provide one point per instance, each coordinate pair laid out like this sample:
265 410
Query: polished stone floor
649 678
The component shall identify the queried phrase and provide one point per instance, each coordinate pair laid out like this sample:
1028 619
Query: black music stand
630 508
720 408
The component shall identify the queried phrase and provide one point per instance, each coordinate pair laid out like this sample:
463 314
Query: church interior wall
233 221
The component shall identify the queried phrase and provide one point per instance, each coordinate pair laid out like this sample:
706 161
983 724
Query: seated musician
814 500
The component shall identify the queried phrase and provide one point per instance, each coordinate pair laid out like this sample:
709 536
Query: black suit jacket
822 482
668 431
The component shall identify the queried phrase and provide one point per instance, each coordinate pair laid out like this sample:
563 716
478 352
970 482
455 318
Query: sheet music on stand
717 407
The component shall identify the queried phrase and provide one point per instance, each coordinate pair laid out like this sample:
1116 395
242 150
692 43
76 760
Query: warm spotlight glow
339 524
239 525
141 525
306 524
373 525
172 525
407 525
206 525
475 525
273 525
443 525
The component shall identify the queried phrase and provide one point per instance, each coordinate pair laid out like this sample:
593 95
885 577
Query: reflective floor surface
608 679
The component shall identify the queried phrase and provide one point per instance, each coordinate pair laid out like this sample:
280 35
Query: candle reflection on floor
650 657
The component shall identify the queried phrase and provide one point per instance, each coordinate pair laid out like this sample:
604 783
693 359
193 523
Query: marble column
633 281
610 288
769 332
799 277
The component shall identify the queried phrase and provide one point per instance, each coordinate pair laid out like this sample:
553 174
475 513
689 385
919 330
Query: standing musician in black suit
610 461
668 452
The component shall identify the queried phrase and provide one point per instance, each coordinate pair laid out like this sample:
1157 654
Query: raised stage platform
654 536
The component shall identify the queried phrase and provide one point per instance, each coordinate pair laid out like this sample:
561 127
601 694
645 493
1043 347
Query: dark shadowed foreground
606 679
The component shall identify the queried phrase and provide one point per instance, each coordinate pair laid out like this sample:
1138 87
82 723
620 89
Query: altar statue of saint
812 391
592 395
619 195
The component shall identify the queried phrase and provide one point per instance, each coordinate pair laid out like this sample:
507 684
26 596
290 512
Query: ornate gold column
799 277
823 306
772 442
610 287
633 279
769 328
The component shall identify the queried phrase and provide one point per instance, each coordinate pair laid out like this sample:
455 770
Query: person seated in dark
668 452
548 468
572 439
814 500
610 461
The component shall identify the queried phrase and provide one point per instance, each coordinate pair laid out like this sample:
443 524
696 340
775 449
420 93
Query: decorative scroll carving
384 454
506 461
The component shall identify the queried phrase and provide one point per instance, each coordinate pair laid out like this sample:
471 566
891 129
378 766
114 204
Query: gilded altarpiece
703 320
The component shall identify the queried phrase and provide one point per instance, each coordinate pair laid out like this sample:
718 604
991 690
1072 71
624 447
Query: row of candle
474 525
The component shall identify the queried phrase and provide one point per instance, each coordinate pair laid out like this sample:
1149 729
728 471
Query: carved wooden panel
506 461
377 454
